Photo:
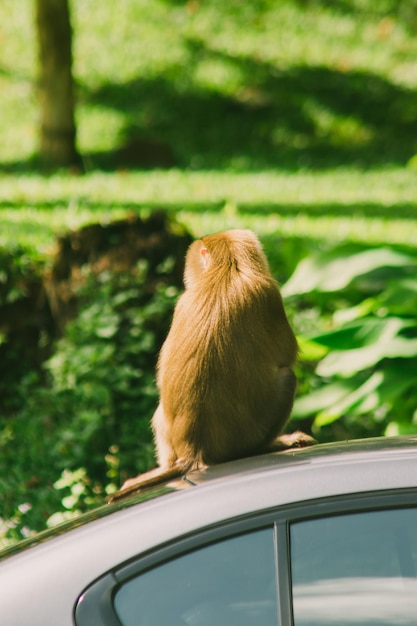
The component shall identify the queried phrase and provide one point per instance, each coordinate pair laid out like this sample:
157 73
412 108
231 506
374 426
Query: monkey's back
220 369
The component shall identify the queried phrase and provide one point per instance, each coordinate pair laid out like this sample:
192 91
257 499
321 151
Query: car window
229 583
355 569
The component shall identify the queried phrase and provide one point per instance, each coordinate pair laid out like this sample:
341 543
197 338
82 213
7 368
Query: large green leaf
348 362
379 392
322 398
366 396
362 332
334 270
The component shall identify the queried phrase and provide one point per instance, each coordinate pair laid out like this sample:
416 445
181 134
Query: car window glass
229 583
355 569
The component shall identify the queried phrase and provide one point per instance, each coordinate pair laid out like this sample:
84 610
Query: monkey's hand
297 439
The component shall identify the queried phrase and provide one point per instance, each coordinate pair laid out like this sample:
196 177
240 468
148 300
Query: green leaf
322 398
60 517
364 308
362 332
398 428
348 362
69 502
400 298
124 296
106 332
107 326
69 478
367 392
397 380
310 350
336 269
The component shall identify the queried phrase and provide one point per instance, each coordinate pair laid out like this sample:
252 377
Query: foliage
18 266
100 391
102 373
20 289
363 352
295 118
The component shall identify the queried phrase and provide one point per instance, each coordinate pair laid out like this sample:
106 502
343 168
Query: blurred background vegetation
296 118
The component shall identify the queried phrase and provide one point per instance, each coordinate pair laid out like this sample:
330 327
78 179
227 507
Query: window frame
97 604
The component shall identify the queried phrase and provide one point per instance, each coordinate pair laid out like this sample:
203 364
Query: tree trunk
56 95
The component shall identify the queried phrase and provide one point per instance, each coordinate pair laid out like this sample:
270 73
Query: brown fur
225 370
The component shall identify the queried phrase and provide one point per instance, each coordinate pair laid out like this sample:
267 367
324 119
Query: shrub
362 352
100 391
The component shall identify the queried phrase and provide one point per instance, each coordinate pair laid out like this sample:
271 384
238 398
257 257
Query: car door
341 562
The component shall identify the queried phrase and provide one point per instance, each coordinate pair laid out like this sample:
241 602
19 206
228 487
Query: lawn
294 118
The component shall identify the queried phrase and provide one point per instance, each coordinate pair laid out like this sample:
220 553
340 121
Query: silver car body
41 585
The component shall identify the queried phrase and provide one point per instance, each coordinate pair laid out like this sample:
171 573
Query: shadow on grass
312 117
304 117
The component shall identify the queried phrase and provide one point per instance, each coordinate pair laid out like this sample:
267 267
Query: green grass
332 206
294 118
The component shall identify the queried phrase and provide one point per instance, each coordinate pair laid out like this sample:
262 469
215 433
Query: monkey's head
232 250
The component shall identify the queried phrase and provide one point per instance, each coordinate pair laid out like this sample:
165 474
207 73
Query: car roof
200 500
319 455
321 460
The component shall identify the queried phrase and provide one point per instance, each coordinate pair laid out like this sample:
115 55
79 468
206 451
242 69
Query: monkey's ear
205 257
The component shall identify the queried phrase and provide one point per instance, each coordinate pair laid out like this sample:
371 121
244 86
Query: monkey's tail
153 477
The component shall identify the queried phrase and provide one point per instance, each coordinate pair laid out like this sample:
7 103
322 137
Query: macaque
225 372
